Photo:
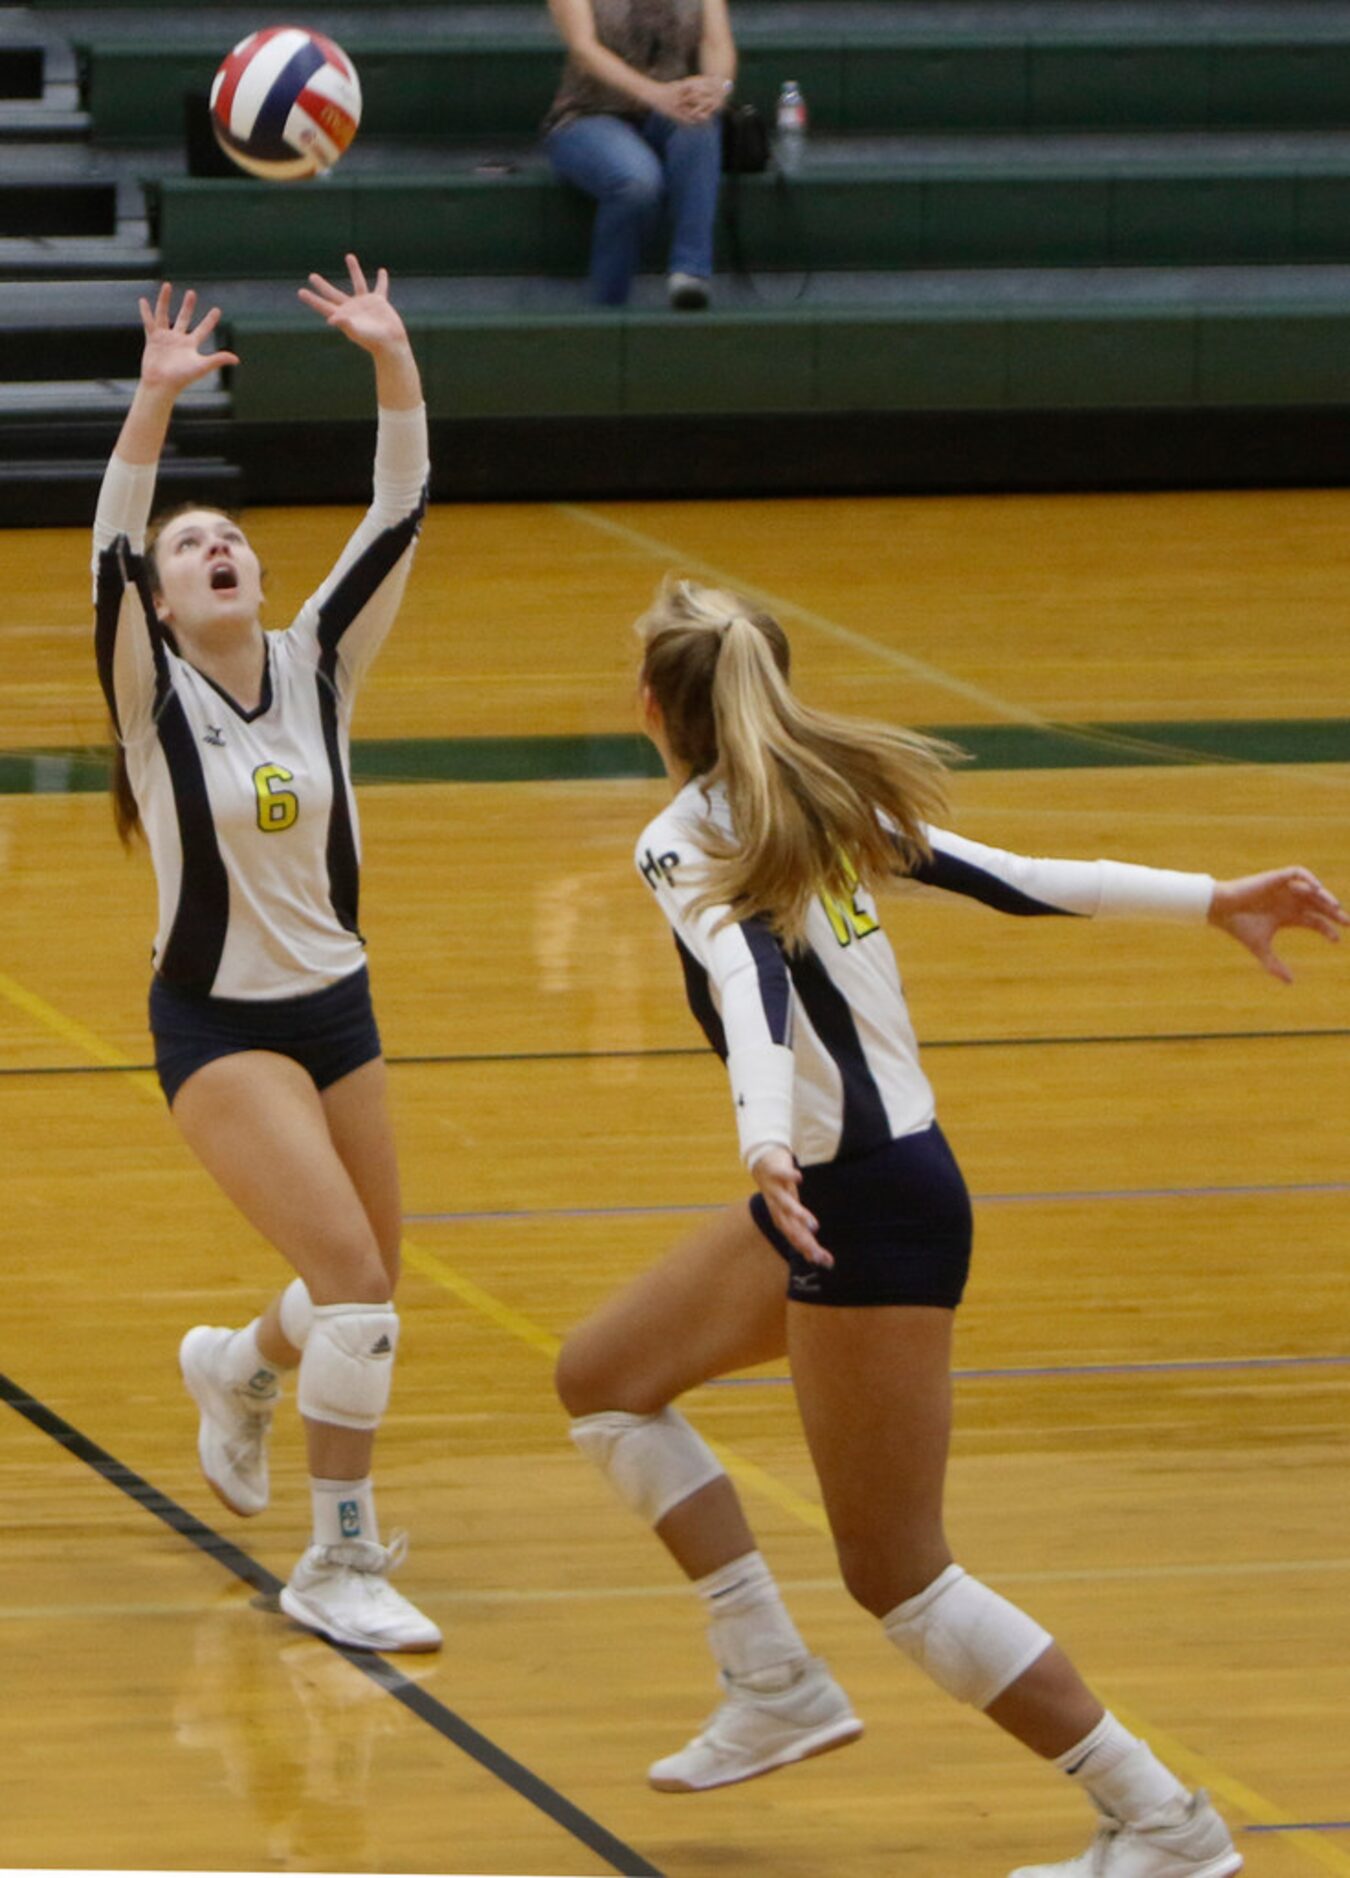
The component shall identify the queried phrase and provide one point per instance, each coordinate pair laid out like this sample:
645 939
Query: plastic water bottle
791 128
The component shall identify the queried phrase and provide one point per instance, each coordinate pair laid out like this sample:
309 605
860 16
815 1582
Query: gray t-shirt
659 38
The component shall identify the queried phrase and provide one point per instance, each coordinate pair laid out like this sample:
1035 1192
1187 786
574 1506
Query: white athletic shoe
343 1592
1199 1846
689 293
753 1733
236 1420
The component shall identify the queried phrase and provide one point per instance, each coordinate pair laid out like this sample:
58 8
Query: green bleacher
1098 240
883 75
1065 207
661 365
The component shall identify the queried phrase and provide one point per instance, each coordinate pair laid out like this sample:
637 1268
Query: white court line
606 1594
583 1594
784 609
788 610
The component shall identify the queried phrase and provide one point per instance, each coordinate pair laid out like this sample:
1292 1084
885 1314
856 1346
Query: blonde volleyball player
232 757
784 823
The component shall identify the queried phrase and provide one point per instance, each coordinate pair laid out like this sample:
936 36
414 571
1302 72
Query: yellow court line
1194 1768
442 1273
74 1033
1198 1771
746 1472
439 1271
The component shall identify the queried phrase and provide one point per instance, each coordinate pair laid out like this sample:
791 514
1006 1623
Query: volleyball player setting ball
231 758
285 104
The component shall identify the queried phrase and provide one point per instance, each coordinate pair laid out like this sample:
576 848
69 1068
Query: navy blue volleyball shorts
897 1220
329 1032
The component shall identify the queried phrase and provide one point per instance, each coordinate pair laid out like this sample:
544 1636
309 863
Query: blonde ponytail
818 803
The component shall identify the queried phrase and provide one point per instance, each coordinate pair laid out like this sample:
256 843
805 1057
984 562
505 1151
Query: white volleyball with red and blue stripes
285 103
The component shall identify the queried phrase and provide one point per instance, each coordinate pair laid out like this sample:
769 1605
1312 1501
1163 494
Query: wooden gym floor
1152 1451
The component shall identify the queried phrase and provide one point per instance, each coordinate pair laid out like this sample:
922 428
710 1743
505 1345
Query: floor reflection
296 1730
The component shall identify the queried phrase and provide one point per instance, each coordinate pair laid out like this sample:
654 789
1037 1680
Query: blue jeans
631 170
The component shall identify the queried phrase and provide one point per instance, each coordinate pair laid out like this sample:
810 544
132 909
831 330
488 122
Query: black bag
745 140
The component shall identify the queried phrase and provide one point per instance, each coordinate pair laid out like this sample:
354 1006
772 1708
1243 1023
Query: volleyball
285 103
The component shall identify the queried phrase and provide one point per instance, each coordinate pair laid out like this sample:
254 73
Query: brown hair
125 808
818 803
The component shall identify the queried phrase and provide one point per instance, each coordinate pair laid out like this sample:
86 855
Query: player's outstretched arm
369 318
1254 909
172 359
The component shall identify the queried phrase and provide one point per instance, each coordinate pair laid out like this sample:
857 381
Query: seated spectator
636 122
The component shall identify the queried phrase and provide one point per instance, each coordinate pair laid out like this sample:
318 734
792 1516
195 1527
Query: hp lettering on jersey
658 867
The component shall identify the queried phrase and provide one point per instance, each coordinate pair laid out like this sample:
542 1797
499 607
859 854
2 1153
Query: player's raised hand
173 358
1254 909
366 315
371 320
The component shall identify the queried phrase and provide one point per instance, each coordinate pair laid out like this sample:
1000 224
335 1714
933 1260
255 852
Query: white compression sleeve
124 499
401 461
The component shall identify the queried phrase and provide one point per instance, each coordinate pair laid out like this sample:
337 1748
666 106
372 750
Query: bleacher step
43 122
46 493
904 202
868 65
125 255
85 400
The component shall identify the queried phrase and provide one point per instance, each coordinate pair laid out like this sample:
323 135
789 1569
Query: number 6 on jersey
277 808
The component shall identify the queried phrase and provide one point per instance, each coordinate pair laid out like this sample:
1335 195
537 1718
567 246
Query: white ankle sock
752 1636
245 1364
343 1510
1124 1776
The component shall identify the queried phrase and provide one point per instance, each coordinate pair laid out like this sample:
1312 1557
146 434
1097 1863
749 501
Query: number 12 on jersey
849 920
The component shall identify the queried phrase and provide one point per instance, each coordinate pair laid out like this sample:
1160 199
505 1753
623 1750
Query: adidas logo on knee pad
347 1370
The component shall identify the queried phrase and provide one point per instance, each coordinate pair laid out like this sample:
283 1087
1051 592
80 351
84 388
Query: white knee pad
972 1642
348 1365
651 1461
296 1314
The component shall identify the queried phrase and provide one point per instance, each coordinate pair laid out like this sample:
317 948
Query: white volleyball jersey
250 815
818 1041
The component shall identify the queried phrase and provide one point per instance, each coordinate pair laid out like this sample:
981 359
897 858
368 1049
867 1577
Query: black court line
1305 1825
479 1059
595 1837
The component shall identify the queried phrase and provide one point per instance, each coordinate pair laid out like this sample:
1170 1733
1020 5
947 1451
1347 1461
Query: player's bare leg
874 1386
713 1305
